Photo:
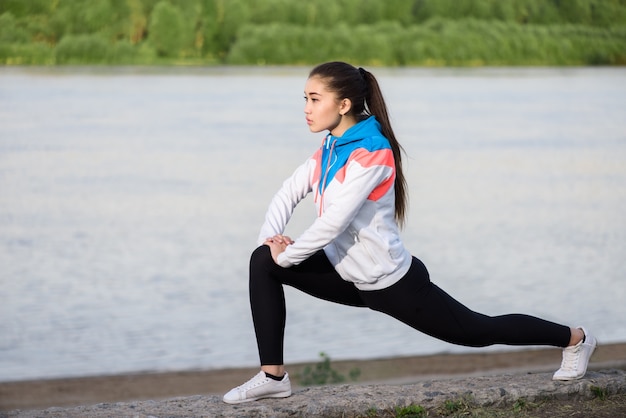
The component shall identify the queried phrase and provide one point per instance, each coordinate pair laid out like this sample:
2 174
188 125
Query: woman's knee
261 258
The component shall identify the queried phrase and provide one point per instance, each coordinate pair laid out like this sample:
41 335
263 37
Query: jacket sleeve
359 183
292 191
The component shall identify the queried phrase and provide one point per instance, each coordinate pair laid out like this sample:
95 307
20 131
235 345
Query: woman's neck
347 122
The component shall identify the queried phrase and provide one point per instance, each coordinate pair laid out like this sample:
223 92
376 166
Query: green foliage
411 411
9 31
166 29
457 407
520 405
286 32
323 373
232 14
26 54
78 49
588 12
74 17
22 8
600 393
123 52
372 412
437 42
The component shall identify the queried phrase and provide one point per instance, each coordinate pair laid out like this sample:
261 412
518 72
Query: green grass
603 405
411 411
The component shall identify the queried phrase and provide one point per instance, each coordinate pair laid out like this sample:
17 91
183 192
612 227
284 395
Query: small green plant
323 373
410 411
600 393
520 405
372 412
456 406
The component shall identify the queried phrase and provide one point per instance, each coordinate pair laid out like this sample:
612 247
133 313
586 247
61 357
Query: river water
130 199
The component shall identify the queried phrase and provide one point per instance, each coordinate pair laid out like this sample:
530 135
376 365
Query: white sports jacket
352 177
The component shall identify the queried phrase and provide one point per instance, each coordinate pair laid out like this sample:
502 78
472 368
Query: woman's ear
345 106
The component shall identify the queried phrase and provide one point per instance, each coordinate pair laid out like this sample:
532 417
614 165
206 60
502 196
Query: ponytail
377 107
361 87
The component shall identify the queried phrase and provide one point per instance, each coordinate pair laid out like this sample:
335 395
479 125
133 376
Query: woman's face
322 108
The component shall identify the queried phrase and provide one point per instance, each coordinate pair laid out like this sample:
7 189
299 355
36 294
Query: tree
165 30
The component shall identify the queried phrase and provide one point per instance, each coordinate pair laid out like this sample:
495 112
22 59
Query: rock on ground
360 400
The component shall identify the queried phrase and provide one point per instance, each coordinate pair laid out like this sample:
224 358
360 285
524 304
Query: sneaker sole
273 395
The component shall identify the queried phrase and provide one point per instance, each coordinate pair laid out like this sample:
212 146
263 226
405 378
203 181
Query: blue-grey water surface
131 198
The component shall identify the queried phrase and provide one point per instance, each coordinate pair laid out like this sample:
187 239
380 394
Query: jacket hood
363 129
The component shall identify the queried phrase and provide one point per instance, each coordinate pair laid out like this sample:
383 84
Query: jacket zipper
328 166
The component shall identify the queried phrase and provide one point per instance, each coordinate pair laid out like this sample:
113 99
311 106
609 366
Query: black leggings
413 300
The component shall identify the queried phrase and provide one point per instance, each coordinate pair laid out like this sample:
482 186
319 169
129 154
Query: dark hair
361 88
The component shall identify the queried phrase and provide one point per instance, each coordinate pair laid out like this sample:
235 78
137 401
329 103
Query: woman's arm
292 191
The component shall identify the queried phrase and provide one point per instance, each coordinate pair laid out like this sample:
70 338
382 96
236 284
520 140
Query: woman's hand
277 245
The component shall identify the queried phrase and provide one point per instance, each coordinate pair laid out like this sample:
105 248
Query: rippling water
131 198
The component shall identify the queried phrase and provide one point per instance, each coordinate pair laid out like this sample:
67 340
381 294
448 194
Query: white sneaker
576 358
259 387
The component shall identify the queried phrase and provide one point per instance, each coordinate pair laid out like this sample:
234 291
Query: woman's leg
422 305
315 276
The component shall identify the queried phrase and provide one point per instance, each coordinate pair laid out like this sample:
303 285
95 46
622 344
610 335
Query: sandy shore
42 394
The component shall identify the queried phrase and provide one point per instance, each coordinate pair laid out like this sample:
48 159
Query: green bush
82 49
122 52
26 54
166 29
9 31
97 17
323 373
225 19
22 8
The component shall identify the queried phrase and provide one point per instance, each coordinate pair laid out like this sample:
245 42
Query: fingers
276 248
278 243
280 239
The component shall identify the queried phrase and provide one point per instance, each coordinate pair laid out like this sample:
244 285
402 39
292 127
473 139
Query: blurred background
369 32
141 141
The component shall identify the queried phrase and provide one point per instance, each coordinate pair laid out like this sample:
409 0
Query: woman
352 253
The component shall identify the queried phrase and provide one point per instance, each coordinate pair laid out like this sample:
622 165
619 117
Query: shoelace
570 358
254 382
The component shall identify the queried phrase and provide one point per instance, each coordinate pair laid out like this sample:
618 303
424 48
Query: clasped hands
277 245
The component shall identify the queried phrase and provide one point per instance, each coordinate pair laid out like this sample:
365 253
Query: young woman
352 253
